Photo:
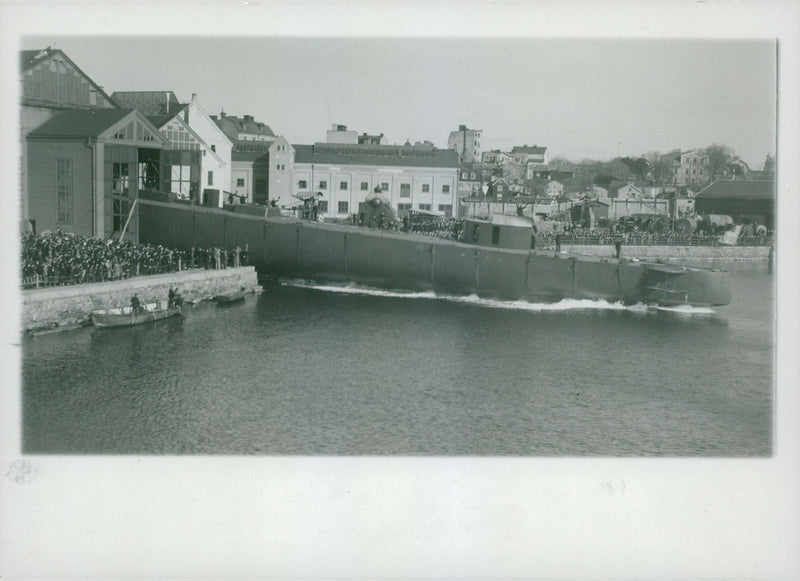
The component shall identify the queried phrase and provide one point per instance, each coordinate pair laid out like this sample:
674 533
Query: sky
581 98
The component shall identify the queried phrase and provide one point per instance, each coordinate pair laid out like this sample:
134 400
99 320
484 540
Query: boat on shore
126 317
229 298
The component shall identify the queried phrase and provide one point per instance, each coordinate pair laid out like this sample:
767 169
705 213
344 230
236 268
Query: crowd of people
63 258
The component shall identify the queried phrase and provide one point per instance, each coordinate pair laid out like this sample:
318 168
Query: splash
519 305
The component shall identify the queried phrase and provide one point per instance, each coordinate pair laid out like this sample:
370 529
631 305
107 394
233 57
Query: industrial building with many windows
411 177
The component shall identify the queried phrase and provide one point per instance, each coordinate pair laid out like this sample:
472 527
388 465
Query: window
384 187
64 190
473 175
180 181
464 175
343 207
239 182
120 209
323 207
446 189
426 188
364 186
323 184
302 184
447 209
120 183
342 185
425 207
213 147
405 190
211 178
402 209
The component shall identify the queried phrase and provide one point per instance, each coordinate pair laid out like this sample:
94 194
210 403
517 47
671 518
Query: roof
30 58
80 123
233 126
525 149
149 102
253 146
160 120
671 156
739 189
392 155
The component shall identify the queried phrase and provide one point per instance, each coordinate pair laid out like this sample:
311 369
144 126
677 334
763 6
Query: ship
489 259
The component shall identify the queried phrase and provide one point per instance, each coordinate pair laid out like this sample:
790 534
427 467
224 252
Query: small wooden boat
125 317
228 298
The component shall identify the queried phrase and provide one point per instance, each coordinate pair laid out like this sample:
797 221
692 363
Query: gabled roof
31 58
79 123
740 189
385 155
253 146
150 102
525 149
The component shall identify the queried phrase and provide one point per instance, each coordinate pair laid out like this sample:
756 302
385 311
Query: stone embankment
676 253
68 306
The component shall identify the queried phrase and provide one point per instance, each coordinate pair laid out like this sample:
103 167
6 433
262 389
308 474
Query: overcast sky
580 98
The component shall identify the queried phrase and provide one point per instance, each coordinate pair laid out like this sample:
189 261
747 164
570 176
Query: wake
519 305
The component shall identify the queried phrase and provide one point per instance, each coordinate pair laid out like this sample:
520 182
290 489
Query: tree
659 169
719 156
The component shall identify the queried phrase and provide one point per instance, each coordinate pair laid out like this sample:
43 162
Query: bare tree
719 156
659 169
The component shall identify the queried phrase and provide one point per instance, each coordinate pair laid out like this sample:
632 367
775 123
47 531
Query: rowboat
125 317
228 298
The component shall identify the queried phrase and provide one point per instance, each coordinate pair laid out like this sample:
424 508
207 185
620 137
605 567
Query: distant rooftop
391 155
149 102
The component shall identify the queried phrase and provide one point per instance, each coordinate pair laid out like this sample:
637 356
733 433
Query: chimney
462 127
166 95
222 114
248 117
194 97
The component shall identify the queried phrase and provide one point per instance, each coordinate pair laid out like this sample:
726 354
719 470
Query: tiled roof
149 102
79 123
740 189
525 149
391 155
252 146
160 120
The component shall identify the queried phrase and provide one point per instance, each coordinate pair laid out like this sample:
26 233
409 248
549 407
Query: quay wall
67 306
676 253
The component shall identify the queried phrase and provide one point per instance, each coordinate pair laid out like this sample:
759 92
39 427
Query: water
332 370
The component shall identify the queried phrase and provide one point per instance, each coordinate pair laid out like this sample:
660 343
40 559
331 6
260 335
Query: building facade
187 126
411 177
51 83
466 143
87 167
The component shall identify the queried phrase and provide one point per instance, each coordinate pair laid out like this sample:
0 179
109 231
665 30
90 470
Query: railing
656 240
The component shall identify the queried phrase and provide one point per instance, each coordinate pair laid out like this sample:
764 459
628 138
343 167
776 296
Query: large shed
752 200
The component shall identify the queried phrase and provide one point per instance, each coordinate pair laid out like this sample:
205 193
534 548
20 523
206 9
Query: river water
312 369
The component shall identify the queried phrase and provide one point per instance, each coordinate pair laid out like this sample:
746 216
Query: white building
411 177
466 143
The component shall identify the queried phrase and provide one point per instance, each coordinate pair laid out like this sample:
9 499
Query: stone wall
677 253
72 305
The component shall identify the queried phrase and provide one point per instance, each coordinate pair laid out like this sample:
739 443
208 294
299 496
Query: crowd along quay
490 259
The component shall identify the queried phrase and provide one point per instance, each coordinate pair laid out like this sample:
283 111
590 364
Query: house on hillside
50 84
753 200
87 167
496 156
187 127
629 192
466 143
524 154
737 169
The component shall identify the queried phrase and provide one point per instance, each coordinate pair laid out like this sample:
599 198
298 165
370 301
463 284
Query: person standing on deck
617 243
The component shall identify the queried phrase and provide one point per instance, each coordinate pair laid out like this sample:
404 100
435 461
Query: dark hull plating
327 252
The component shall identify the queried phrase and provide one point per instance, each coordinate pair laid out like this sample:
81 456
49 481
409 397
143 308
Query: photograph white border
289 517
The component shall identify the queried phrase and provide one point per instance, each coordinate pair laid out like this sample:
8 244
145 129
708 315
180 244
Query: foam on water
562 305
